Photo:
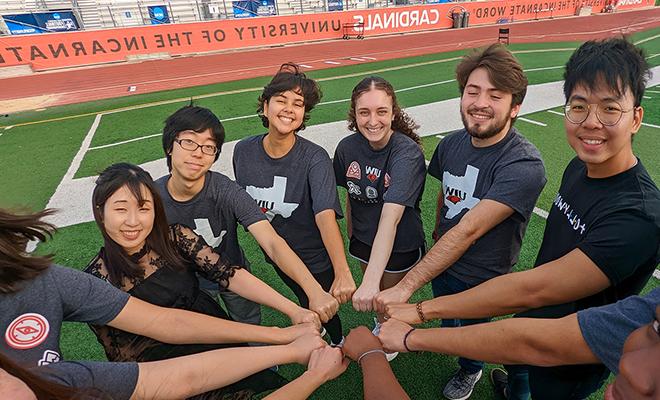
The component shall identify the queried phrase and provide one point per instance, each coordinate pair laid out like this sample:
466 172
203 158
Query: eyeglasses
608 113
191 145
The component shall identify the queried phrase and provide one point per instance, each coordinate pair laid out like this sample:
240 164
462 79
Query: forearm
252 288
378 379
294 268
332 241
541 342
441 256
298 389
381 250
187 376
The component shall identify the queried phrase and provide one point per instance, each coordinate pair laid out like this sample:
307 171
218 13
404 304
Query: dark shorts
398 262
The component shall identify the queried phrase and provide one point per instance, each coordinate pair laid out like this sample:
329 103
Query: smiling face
285 112
606 150
374 116
639 375
485 110
191 166
126 221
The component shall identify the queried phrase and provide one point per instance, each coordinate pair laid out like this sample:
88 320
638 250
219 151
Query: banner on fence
41 22
158 15
80 48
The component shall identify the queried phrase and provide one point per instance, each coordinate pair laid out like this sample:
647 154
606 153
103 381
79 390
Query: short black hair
615 62
191 118
289 77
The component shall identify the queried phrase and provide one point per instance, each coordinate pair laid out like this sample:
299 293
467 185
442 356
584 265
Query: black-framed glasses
191 145
608 113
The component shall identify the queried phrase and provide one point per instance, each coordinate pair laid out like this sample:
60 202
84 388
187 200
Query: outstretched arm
182 377
279 251
343 285
571 277
172 325
446 251
378 379
541 342
325 364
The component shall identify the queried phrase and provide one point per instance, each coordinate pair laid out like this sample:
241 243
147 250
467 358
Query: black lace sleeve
206 261
97 268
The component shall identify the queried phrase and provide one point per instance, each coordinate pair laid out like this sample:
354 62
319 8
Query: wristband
366 353
420 313
405 340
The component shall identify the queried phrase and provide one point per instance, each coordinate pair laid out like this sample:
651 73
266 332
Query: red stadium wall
58 50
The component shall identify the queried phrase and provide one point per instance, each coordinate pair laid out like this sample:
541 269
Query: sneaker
376 331
461 385
340 344
499 378
323 332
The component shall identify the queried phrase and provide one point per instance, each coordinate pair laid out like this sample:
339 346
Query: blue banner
158 15
41 22
335 5
253 8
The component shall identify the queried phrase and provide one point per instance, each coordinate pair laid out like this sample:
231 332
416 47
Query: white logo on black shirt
271 199
49 357
574 220
203 229
353 188
459 191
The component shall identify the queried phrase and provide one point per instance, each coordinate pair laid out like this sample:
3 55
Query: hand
392 333
303 316
327 362
303 346
291 333
359 341
403 312
391 296
363 298
343 287
324 305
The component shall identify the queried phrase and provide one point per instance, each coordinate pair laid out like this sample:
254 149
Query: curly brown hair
402 122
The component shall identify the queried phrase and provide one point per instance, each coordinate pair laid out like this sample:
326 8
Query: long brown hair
45 389
16 265
402 122
118 263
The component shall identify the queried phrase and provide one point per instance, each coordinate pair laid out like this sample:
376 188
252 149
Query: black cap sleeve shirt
290 191
394 174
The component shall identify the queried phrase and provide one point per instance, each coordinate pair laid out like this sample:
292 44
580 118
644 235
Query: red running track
108 81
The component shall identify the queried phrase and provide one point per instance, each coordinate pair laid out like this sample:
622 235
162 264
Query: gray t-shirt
290 191
115 379
31 320
394 174
214 214
510 172
606 328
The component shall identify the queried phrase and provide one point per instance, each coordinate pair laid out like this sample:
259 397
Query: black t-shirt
394 174
290 191
615 221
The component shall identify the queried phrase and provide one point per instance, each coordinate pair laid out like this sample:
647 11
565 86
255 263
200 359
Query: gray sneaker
460 386
376 332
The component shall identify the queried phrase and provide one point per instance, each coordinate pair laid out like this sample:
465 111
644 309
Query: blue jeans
554 382
443 285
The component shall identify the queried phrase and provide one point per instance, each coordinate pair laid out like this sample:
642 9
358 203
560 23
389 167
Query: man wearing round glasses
601 239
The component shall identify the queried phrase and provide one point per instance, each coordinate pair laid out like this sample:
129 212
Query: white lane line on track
531 121
124 142
305 65
332 62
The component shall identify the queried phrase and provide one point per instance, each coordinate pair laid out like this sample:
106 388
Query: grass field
37 148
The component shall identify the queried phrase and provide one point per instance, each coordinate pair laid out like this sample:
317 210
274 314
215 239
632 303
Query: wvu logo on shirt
459 191
271 199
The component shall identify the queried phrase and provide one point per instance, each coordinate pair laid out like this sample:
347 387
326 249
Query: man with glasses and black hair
601 240
213 205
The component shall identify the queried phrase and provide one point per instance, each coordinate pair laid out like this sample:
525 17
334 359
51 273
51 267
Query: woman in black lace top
157 263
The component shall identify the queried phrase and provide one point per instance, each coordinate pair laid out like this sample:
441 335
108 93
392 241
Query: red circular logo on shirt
27 331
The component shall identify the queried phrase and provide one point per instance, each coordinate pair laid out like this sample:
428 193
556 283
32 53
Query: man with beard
491 178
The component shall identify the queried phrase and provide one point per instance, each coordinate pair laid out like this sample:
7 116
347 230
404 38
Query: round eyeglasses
608 113
191 145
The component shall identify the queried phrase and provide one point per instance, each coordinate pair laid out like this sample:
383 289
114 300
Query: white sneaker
376 331
340 344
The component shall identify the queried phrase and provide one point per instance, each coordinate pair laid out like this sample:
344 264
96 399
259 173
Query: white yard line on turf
555 112
650 125
656 274
103 146
531 121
